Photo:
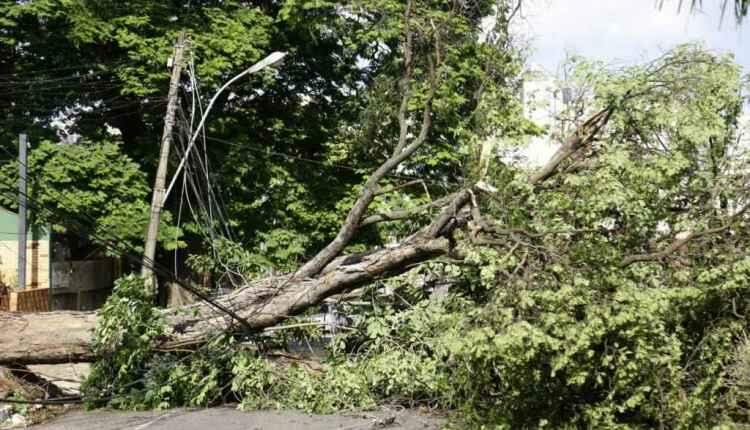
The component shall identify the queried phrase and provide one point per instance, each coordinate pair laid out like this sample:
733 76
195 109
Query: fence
82 284
76 285
33 300
25 301
4 298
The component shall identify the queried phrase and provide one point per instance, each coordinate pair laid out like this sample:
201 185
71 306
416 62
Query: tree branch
62 337
369 191
582 136
449 218
403 213
404 82
679 243
383 191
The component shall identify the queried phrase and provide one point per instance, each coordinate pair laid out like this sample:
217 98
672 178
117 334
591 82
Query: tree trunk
45 338
62 337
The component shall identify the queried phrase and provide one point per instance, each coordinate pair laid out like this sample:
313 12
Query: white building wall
542 98
744 136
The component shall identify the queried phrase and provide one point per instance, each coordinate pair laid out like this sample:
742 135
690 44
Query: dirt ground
232 419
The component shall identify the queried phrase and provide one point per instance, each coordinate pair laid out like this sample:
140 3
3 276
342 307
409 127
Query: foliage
577 310
127 326
549 324
130 374
263 385
172 380
641 357
285 159
92 190
227 257
737 378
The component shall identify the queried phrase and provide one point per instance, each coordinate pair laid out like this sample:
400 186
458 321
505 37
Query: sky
625 32
621 32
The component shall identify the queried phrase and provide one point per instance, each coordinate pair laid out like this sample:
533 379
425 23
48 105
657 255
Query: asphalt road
232 419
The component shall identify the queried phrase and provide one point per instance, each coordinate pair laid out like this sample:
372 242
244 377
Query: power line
86 76
66 68
325 163
153 265
57 69
214 203
203 162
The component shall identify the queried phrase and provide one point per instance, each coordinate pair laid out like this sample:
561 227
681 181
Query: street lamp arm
271 60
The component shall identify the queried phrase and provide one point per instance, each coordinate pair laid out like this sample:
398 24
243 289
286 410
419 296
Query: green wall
9 228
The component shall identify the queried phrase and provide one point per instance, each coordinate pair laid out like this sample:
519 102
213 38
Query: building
544 99
37 254
744 130
54 281
34 294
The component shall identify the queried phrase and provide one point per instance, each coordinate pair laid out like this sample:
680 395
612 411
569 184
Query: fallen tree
607 258
58 337
61 337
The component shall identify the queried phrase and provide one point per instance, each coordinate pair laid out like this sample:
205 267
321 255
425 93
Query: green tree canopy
92 191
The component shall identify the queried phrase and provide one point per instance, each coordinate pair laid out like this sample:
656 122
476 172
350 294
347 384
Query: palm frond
739 7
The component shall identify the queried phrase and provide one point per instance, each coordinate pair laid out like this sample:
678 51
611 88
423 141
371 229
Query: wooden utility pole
22 143
157 200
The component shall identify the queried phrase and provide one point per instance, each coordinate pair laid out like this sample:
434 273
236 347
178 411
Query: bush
634 357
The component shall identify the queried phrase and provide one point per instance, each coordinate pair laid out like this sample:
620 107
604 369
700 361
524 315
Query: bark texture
581 137
46 338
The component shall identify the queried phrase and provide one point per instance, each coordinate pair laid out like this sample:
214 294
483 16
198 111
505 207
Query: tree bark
403 150
46 338
577 140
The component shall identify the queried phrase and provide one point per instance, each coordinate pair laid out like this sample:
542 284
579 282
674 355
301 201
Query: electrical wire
93 67
151 264
57 69
324 163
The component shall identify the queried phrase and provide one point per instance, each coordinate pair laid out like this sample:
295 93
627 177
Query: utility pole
157 200
22 142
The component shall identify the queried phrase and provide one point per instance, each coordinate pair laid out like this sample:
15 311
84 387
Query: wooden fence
33 300
36 300
4 299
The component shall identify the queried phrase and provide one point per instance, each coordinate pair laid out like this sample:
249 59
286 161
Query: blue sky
626 31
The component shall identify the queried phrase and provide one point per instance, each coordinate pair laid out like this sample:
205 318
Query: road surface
232 419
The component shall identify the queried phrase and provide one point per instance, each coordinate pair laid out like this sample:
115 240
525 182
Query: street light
273 59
